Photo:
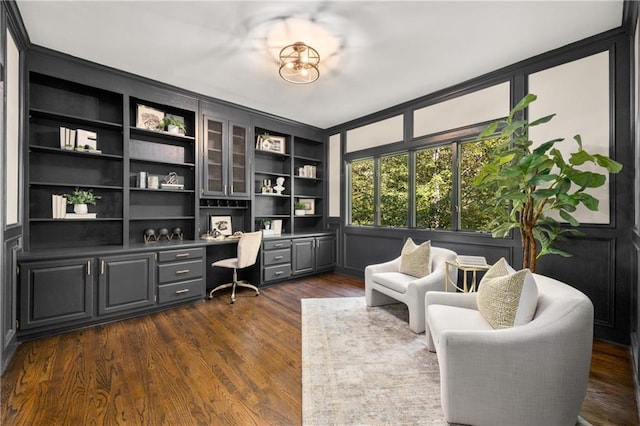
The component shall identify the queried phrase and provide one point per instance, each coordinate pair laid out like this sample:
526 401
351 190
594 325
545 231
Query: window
394 190
443 178
476 209
434 186
362 185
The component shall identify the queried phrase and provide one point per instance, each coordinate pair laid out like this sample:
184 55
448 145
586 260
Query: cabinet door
303 255
239 161
325 253
53 292
126 283
214 157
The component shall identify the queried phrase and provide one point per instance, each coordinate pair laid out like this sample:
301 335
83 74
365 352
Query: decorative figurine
149 236
266 186
163 232
279 186
176 232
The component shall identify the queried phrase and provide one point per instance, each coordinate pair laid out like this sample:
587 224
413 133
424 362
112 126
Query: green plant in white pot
535 183
173 125
79 198
299 208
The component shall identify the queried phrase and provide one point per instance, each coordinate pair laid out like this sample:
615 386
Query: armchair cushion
443 317
416 260
396 281
507 298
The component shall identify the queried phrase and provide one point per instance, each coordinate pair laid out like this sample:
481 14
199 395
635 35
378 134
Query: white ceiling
374 54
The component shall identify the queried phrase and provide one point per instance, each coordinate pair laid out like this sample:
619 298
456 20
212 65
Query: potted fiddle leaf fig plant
536 184
79 198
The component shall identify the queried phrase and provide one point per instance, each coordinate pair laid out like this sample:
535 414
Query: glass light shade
299 63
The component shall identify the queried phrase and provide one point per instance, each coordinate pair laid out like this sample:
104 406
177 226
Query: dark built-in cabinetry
78 271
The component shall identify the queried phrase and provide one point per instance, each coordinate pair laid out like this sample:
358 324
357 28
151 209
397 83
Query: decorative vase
300 212
80 208
173 129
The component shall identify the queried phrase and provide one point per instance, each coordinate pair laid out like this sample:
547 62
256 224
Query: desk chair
248 248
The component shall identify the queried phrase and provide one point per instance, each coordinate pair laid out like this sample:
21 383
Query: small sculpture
177 233
149 236
279 186
266 186
163 232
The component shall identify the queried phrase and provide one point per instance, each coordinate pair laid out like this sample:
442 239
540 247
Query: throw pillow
507 298
416 260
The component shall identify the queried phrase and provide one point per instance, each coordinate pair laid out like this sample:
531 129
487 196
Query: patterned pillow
507 298
416 260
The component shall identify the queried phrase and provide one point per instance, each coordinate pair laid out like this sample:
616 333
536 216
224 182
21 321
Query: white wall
477 107
13 109
335 160
578 92
376 134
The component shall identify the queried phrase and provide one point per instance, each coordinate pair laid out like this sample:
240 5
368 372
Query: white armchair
531 374
384 285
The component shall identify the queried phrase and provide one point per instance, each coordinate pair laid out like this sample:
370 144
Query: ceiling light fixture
299 63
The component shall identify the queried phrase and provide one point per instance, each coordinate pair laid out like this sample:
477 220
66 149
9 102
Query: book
87 140
58 206
80 216
477 261
172 186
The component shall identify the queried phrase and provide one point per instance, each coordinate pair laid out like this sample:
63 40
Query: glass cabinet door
239 165
213 179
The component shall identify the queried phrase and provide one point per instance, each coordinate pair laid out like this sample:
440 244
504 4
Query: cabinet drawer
181 290
179 271
173 255
277 272
274 257
278 244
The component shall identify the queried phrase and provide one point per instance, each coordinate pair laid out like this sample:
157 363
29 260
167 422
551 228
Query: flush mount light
299 63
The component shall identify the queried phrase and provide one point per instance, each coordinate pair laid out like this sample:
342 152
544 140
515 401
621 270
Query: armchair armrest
390 266
460 300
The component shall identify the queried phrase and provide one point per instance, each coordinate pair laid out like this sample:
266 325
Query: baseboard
635 354
349 272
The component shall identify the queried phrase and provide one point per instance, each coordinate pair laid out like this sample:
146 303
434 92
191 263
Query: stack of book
58 206
472 261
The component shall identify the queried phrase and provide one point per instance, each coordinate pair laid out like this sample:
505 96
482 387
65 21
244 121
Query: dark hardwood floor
214 363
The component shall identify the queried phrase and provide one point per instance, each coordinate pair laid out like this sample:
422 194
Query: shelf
74 185
308 178
316 197
70 152
260 194
271 153
97 219
148 190
277 216
163 218
164 135
172 163
284 175
301 157
35 112
307 216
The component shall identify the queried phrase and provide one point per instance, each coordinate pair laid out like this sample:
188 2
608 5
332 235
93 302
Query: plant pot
173 129
80 208
300 212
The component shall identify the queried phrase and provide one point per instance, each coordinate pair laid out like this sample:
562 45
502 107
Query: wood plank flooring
215 364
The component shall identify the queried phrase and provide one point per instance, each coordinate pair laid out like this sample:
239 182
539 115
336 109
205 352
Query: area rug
363 366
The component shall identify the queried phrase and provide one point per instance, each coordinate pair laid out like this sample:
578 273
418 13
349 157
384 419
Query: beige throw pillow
416 260
507 298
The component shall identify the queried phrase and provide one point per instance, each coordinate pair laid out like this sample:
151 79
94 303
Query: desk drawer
277 272
180 271
173 255
179 291
278 244
274 257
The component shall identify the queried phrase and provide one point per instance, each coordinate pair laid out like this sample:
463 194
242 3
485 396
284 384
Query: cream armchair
385 285
532 374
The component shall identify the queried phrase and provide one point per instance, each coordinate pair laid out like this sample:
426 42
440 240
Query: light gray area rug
363 366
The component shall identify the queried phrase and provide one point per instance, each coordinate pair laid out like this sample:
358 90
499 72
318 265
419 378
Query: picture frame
271 143
149 118
309 205
221 224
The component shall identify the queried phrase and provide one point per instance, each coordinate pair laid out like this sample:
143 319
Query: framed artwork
149 118
267 142
309 205
221 224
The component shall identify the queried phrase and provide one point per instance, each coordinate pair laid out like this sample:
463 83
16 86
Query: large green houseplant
536 183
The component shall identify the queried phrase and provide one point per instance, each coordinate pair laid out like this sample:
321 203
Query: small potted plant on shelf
79 198
266 223
299 208
173 125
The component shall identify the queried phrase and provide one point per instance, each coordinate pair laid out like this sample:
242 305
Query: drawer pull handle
185 290
182 271
278 245
279 273
182 255
278 257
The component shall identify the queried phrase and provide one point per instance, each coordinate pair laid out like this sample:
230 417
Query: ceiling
374 54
